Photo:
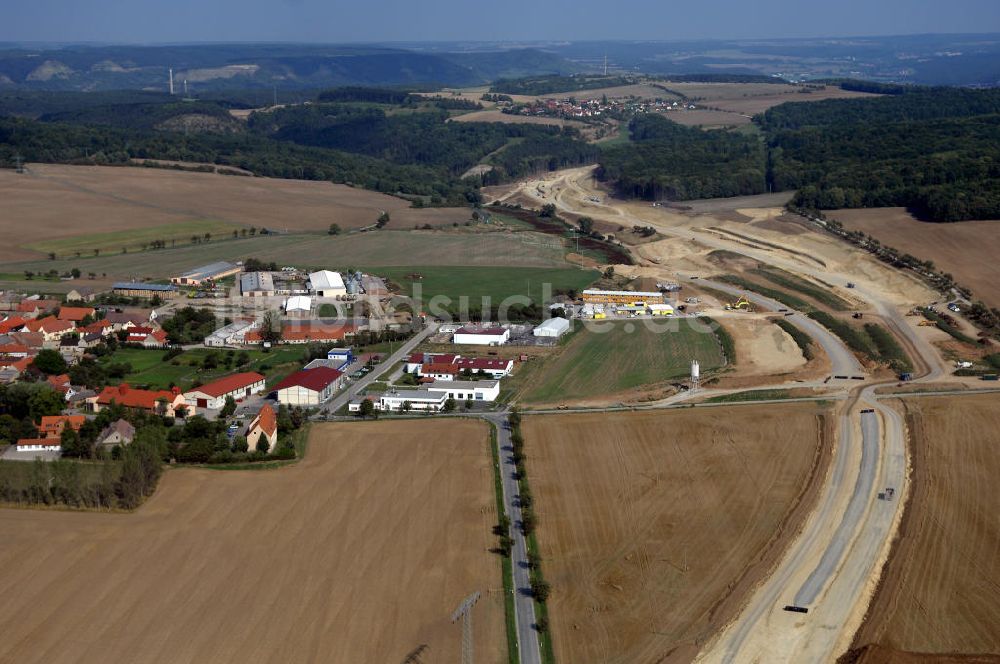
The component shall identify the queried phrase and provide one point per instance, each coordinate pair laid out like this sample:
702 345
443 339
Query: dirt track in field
654 525
359 553
56 202
940 593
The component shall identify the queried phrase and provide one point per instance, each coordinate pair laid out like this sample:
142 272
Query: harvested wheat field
53 204
939 592
359 553
655 525
966 249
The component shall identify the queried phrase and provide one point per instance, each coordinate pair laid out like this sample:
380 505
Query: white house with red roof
265 426
417 360
213 395
492 366
309 387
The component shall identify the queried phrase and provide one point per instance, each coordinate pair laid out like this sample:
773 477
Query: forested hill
667 160
387 140
935 151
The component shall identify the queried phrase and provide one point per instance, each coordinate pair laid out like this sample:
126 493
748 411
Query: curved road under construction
830 570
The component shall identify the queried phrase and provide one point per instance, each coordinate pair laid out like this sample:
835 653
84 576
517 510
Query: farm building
305 332
38 445
473 335
116 433
417 400
309 387
162 402
438 371
298 305
594 296
327 284
82 294
147 291
553 328
256 284
493 367
265 426
461 390
213 395
209 272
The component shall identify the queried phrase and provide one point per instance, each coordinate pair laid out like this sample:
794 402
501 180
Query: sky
145 21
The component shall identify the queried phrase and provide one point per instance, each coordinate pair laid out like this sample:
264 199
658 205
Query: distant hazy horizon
516 21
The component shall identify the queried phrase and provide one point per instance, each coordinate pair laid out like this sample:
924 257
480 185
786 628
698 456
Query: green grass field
477 282
135 238
149 369
594 364
383 248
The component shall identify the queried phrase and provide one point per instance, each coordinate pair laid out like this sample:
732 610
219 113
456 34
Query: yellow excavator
742 304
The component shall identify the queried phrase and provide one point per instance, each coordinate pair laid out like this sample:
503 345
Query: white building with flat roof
417 399
463 390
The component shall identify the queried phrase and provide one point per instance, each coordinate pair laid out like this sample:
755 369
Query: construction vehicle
742 304
850 284
926 323
857 314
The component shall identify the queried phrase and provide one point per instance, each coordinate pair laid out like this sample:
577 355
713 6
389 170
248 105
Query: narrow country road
524 603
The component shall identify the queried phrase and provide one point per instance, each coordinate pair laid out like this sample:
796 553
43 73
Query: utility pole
464 612
20 165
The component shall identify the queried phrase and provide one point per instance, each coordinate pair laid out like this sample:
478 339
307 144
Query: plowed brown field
56 202
940 592
654 525
357 554
966 249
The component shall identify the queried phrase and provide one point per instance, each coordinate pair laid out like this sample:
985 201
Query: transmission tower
464 612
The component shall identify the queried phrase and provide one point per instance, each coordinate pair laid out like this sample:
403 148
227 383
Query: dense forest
85 144
425 138
935 151
386 140
668 160
543 85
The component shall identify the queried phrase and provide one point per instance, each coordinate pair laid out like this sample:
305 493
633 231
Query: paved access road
524 604
356 387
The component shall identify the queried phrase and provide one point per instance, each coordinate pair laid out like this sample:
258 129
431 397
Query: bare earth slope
654 524
939 593
357 554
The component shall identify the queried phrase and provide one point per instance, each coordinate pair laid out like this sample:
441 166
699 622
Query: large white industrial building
481 336
327 284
